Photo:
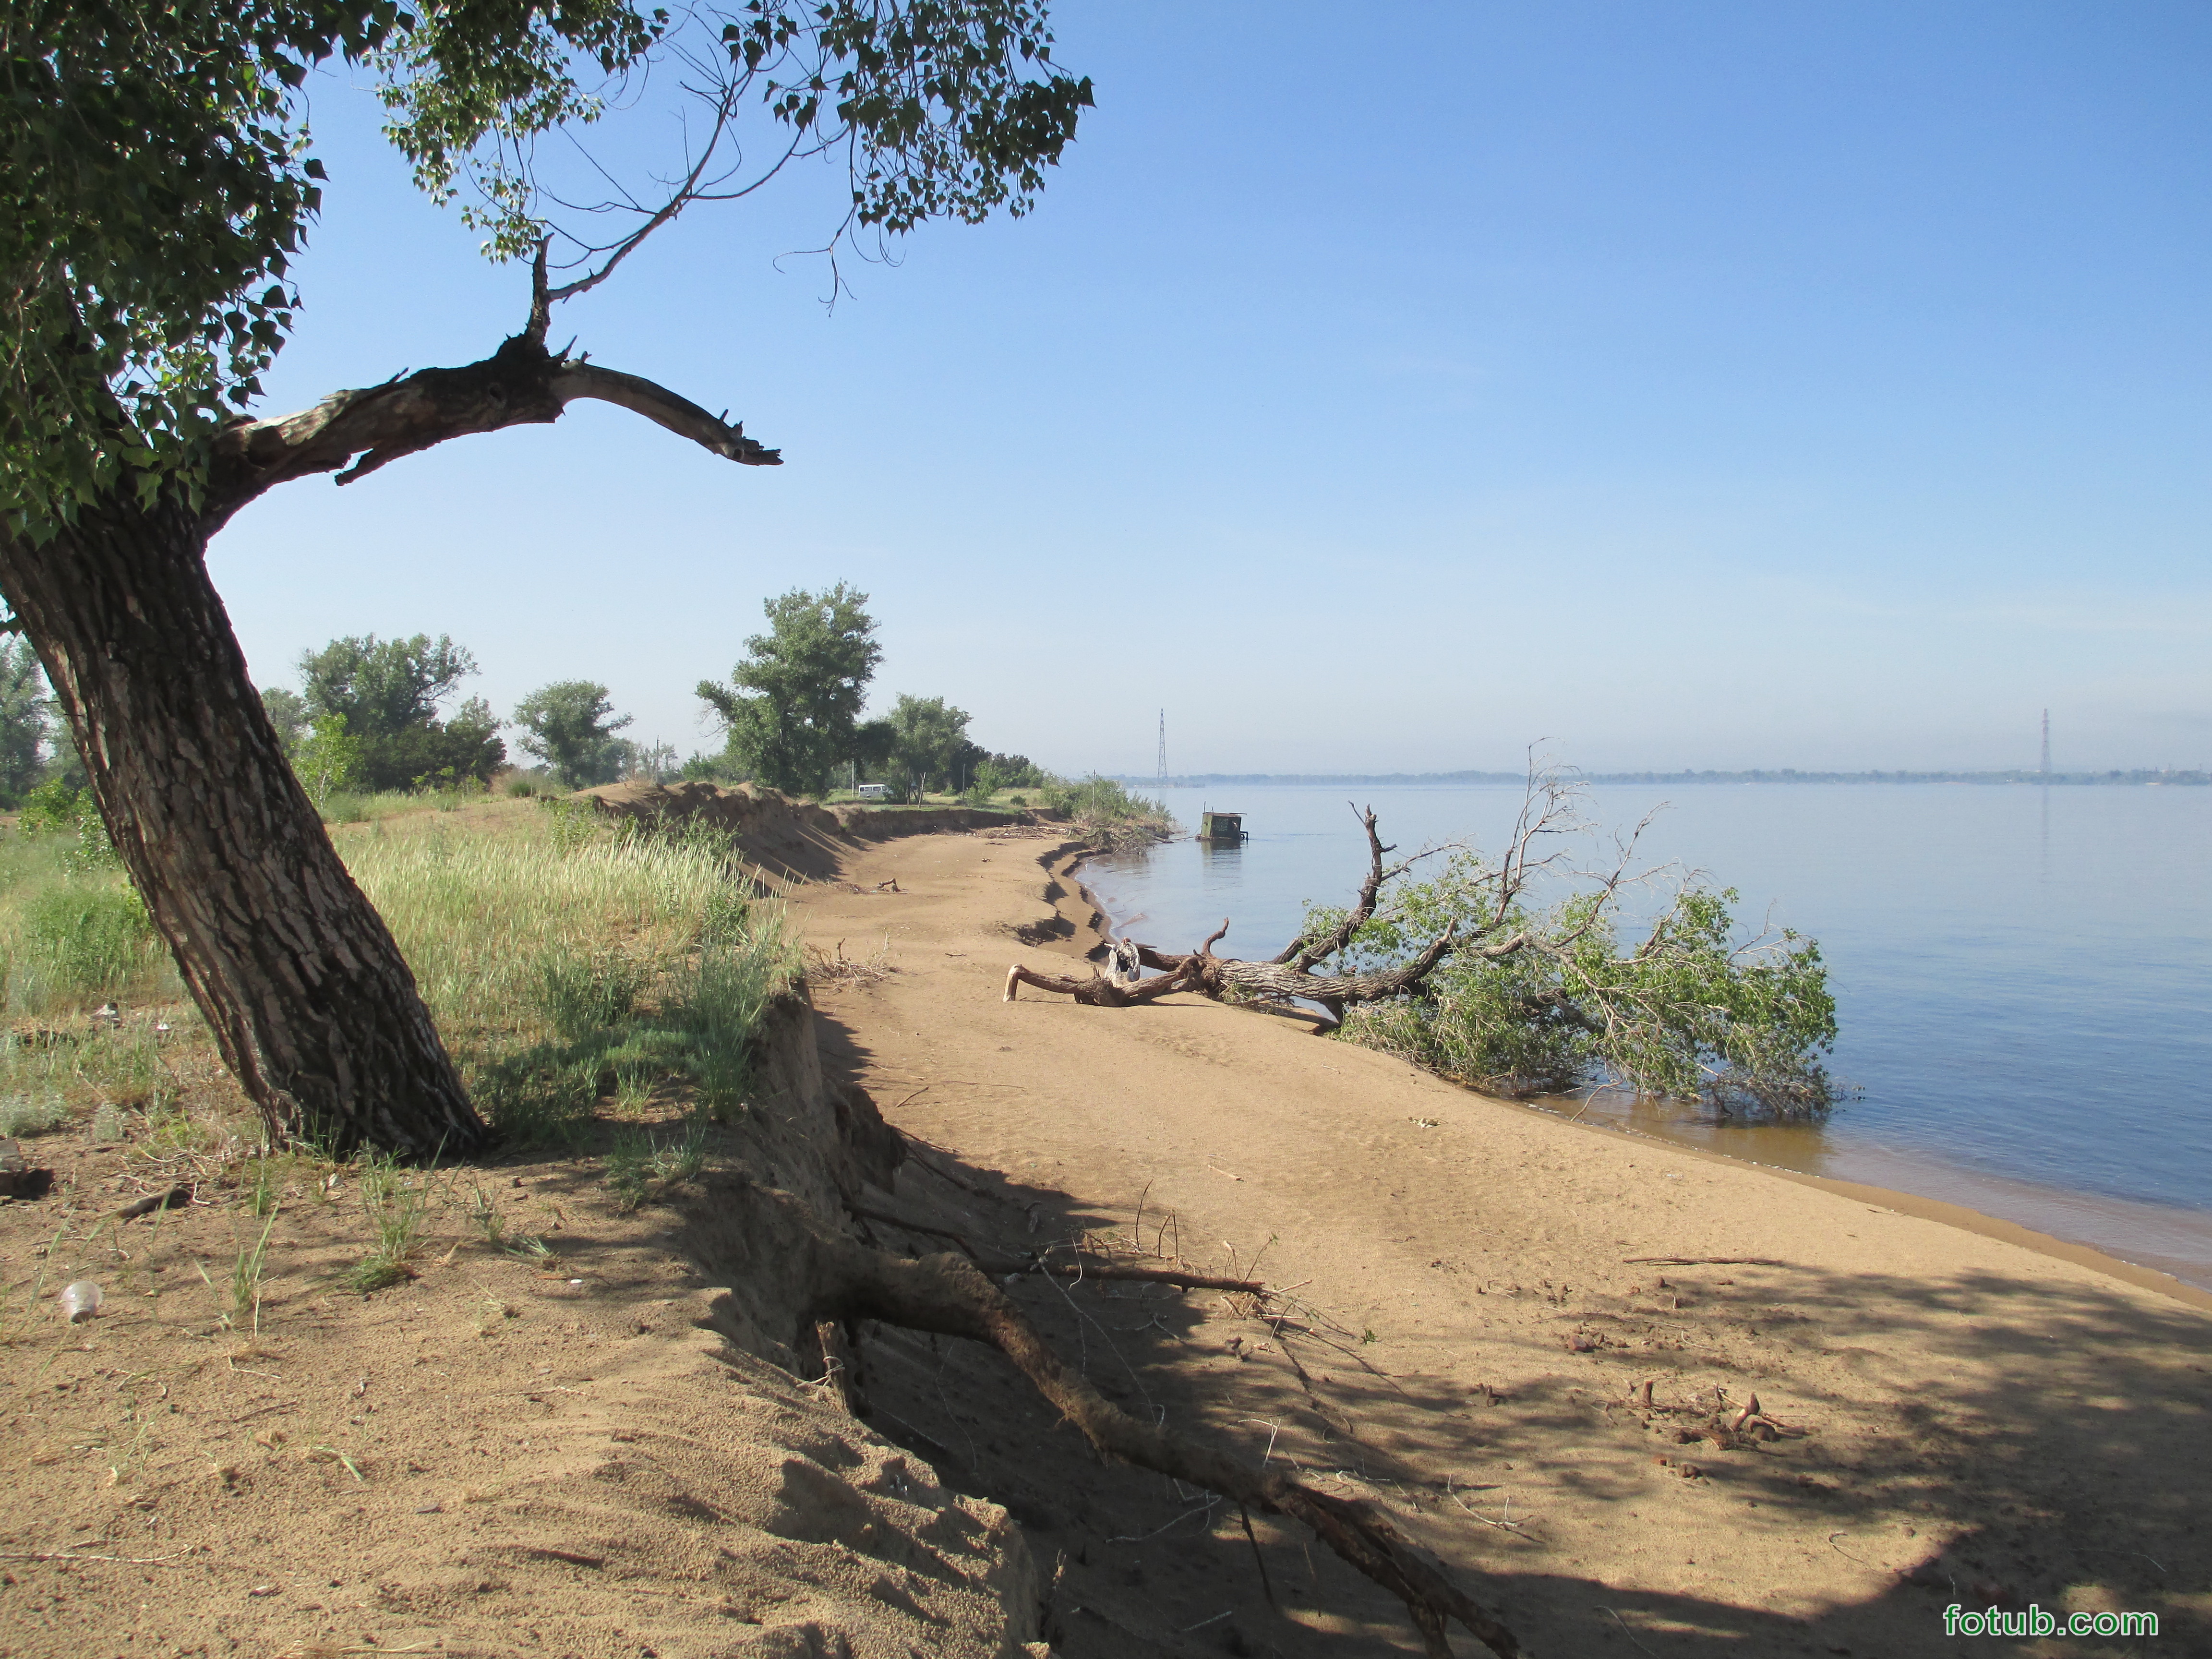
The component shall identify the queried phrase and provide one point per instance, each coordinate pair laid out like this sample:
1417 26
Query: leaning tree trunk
312 1004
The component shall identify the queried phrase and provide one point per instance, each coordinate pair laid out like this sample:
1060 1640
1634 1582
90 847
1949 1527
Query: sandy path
1963 1419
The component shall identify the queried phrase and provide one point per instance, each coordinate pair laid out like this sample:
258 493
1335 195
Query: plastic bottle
81 1301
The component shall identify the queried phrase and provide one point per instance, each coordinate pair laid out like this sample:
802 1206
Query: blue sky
1386 387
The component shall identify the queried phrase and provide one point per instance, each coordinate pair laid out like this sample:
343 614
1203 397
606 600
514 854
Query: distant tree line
378 715
371 715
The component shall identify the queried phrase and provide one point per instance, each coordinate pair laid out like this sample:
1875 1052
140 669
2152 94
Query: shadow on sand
2042 1459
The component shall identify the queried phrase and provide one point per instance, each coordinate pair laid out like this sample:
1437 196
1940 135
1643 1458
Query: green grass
641 1166
348 806
246 1277
563 962
74 940
397 1202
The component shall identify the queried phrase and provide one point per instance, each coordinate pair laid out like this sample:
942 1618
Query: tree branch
521 384
1301 953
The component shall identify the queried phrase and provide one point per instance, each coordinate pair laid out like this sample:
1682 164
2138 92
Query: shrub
32 1113
1103 809
51 805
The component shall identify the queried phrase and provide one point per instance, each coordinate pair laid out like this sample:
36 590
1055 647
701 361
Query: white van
872 791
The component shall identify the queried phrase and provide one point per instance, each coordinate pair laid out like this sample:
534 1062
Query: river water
2023 975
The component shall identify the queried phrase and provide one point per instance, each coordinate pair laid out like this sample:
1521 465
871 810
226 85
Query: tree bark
311 1003
313 1007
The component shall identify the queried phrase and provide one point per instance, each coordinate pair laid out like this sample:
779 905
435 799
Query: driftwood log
1287 979
1121 986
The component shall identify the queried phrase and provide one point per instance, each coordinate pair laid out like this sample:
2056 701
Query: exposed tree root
1176 1276
1019 1262
952 1296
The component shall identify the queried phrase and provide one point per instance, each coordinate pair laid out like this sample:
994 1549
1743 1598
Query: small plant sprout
491 1314
246 1277
484 1212
399 1213
639 1165
263 1198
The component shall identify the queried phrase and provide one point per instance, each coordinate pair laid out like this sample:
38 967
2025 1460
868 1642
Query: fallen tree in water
1470 975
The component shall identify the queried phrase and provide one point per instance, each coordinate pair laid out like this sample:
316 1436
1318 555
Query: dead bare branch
354 433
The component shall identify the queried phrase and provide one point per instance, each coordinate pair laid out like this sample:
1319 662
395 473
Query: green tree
792 703
567 726
24 710
464 749
158 178
288 715
928 736
388 692
1016 772
329 760
383 686
1534 989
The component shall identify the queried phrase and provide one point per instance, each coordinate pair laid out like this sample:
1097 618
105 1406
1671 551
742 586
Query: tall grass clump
1104 810
73 932
561 966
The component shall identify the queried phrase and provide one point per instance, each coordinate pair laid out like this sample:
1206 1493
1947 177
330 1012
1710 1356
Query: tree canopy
388 693
928 738
792 704
160 178
571 726
288 712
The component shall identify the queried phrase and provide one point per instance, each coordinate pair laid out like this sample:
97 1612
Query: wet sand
2156 1245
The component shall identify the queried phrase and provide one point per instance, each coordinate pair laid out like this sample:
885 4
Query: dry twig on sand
828 966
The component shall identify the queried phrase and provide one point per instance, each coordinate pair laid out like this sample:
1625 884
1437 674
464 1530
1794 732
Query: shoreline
1491 1312
1103 925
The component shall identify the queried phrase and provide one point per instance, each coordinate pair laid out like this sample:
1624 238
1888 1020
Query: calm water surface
2023 977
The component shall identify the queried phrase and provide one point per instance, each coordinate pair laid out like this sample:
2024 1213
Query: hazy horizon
1717 382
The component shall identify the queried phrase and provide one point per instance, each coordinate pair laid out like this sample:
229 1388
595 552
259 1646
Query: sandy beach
1961 1412
1634 1398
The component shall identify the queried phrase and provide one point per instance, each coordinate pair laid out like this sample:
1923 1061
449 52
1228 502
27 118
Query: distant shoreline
2139 777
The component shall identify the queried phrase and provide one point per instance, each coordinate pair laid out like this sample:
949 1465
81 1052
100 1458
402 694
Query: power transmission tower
1164 745
2046 743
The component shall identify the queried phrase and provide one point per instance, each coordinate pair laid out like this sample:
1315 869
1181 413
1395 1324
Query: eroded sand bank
1964 1417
